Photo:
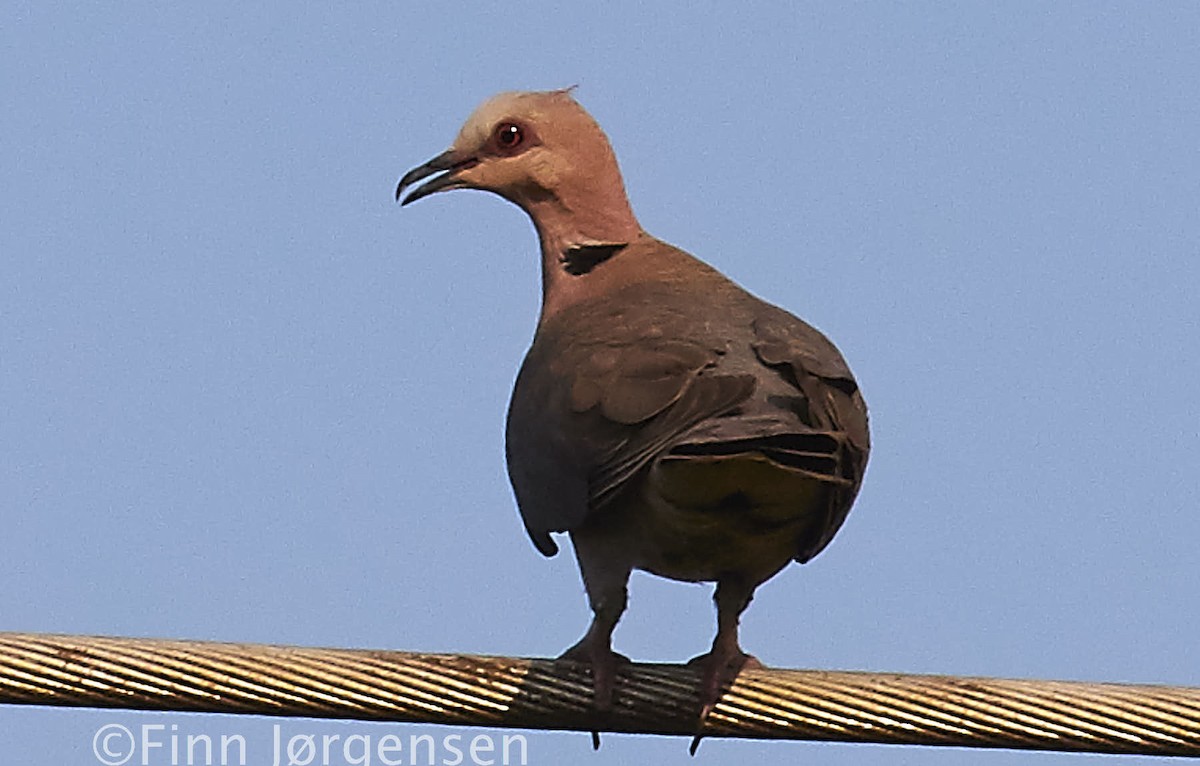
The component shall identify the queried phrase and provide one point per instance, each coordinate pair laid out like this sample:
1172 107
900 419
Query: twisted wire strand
504 692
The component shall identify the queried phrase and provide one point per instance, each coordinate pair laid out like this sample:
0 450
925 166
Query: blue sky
245 397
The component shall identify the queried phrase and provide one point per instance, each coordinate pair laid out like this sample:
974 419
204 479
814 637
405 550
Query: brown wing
588 414
832 405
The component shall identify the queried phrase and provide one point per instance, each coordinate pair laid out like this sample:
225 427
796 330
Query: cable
504 692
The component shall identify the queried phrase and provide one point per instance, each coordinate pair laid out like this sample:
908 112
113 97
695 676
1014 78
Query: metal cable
504 692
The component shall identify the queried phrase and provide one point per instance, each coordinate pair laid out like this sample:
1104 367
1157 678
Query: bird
664 418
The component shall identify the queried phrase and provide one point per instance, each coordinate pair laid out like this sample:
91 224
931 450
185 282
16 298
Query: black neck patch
581 259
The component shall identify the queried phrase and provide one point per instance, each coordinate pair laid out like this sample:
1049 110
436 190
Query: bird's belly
742 515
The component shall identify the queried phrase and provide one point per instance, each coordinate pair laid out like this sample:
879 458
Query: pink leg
595 649
726 659
605 576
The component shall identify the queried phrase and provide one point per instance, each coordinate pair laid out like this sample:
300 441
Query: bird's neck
576 240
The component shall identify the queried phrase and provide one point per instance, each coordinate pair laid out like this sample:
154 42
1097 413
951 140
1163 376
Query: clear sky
244 396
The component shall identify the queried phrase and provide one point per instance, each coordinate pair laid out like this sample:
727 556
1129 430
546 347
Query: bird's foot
719 668
603 662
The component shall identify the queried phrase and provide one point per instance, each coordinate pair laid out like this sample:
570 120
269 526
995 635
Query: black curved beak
448 161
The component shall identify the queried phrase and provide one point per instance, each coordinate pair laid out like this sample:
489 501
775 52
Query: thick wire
504 692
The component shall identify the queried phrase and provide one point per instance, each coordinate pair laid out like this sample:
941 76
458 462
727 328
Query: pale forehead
530 106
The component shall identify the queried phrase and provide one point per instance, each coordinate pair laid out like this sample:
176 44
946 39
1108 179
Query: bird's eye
509 136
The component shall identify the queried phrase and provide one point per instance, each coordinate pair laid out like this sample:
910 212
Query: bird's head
543 152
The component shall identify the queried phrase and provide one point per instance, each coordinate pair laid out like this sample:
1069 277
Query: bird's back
676 396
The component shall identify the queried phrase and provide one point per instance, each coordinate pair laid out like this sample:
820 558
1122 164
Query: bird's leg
726 659
605 576
595 648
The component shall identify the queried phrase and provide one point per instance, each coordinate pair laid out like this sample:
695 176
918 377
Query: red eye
509 135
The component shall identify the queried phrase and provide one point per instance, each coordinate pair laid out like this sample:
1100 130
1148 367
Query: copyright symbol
113 744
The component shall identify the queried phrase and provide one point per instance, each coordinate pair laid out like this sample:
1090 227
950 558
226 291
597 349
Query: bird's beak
450 161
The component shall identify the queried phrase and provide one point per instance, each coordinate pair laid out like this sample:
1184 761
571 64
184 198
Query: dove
664 418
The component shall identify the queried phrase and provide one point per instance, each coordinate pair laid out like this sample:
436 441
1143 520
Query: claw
721 667
603 661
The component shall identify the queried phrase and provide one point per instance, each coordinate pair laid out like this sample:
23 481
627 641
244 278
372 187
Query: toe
603 662
718 671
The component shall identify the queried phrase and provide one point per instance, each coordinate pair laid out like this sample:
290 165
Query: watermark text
157 744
